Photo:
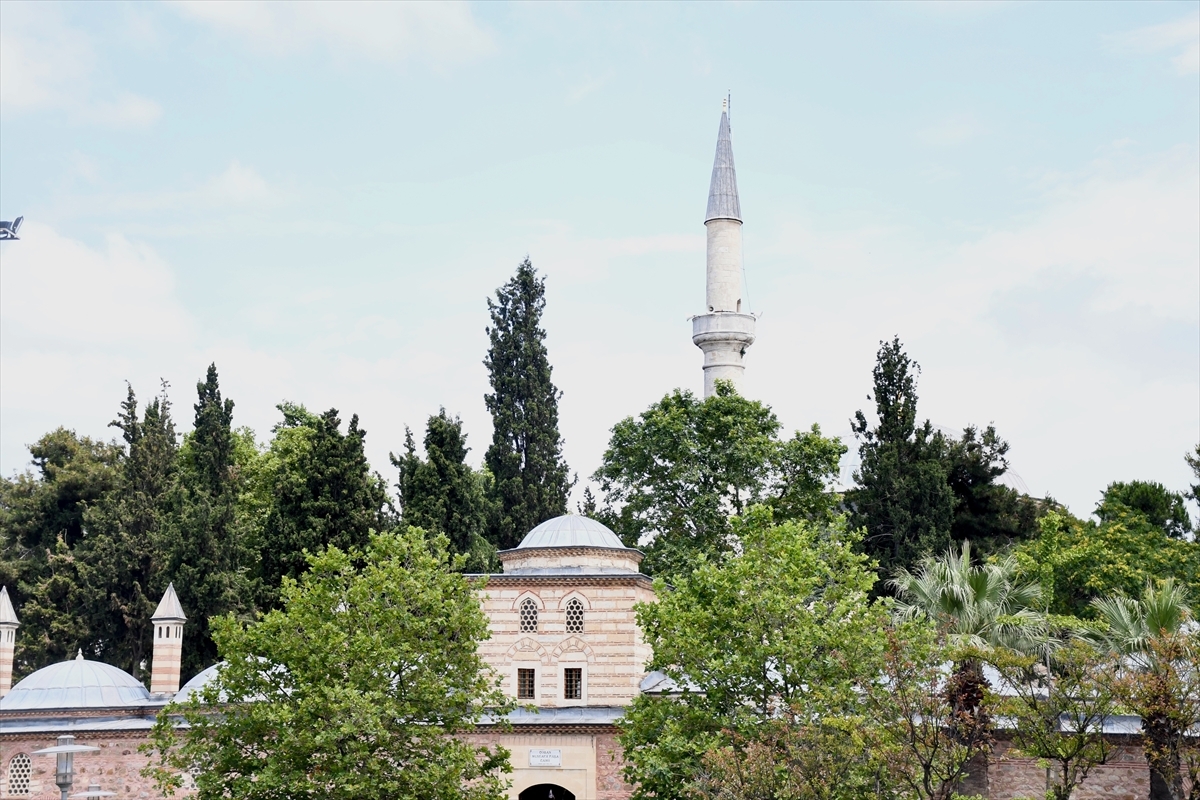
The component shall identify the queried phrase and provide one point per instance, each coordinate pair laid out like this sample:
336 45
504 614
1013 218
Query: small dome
571 530
198 682
78 683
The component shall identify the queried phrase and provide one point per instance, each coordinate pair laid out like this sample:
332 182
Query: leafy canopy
678 472
359 687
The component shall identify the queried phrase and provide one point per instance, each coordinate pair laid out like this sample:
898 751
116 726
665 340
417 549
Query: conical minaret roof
8 614
722 190
169 607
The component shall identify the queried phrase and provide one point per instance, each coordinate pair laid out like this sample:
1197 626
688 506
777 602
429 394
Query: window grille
19 771
574 616
529 616
573 683
525 684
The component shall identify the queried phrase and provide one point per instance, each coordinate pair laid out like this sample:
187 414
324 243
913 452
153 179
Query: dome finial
79 656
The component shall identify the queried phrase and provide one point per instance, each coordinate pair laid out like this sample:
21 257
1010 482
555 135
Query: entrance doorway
546 791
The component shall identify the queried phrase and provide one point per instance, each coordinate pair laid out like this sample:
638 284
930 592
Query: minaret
724 332
168 622
8 640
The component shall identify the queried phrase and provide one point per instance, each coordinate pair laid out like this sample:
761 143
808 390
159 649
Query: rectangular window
525 683
573 683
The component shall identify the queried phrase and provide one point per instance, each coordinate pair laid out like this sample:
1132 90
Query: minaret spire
724 332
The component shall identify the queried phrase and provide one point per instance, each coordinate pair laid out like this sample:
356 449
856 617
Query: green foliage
121 549
359 687
1161 682
442 494
783 624
1058 705
682 468
38 508
205 545
976 606
903 499
987 513
530 477
317 489
1162 508
1077 561
1193 461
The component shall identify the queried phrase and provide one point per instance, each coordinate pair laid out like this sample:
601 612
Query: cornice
604 579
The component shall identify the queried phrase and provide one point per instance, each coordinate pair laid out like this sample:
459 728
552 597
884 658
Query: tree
1161 507
1058 704
316 489
360 686
441 494
678 472
931 741
530 477
903 499
783 627
1193 461
205 549
1078 561
120 555
987 513
1161 682
976 608
39 507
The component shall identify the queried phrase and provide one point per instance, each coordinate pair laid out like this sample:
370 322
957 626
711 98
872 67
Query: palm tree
1155 637
977 606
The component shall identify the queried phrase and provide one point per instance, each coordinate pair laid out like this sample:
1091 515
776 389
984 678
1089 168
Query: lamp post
65 752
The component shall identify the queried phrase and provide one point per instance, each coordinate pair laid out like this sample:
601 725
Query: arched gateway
546 791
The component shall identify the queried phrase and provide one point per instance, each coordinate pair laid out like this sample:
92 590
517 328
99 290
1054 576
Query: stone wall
1124 777
610 649
116 768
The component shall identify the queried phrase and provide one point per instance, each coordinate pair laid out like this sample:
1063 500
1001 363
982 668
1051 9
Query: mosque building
564 636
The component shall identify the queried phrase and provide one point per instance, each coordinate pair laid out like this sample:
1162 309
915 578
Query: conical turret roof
7 613
169 607
722 190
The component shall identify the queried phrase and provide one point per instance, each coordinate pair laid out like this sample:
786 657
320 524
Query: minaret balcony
724 327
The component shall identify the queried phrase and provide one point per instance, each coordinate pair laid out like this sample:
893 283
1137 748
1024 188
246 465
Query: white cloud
1181 35
47 65
441 33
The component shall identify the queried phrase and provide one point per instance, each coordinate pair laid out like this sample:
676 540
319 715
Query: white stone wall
610 650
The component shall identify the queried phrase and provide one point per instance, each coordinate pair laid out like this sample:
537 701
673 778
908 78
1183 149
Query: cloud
441 33
1182 34
587 86
47 65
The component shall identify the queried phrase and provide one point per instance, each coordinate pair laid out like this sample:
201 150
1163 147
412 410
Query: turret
168 622
724 333
8 640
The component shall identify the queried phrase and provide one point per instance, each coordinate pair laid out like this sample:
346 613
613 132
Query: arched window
574 616
19 771
528 616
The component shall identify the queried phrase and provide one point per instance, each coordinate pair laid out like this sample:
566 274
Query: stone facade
1124 777
116 767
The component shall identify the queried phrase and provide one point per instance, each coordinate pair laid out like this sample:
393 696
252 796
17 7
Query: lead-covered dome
571 530
78 683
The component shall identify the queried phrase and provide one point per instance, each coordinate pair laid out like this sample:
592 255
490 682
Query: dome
78 683
198 682
571 530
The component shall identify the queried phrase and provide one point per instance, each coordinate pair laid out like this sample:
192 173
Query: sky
321 197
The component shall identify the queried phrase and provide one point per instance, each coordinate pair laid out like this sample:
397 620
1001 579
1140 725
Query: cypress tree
903 498
319 490
204 547
530 477
441 493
